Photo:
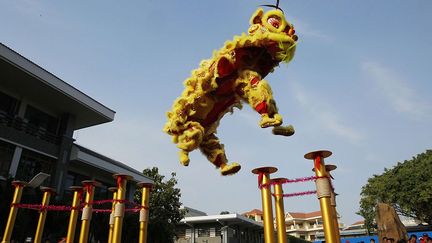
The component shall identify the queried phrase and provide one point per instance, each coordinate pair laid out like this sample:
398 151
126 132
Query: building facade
255 214
39 113
306 226
198 227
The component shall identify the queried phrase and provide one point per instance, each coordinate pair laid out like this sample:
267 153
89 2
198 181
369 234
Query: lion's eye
275 22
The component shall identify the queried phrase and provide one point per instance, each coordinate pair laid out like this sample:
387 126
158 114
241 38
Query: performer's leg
258 94
215 152
189 140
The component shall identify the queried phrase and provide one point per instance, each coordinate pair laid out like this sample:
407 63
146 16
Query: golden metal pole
111 220
144 212
333 195
324 193
119 206
19 185
89 187
43 212
335 218
77 192
280 210
264 178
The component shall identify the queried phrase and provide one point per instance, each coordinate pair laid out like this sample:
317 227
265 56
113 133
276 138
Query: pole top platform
319 153
144 184
279 180
75 188
47 189
19 183
90 182
267 169
124 176
112 189
328 168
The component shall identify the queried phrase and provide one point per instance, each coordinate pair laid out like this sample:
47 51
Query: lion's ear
256 17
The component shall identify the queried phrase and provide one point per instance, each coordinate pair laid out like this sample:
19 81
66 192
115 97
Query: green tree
407 187
164 204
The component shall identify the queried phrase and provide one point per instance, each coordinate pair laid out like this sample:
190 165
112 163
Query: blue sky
359 86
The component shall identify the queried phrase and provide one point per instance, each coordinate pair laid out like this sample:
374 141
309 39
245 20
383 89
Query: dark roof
254 212
24 77
132 171
305 215
224 219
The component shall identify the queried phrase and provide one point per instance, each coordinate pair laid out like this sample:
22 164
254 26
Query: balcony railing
23 126
297 227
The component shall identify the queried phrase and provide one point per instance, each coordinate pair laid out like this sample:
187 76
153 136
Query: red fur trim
262 108
226 85
224 67
254 81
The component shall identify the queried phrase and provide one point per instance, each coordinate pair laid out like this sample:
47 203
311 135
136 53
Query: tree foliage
407 187
164 204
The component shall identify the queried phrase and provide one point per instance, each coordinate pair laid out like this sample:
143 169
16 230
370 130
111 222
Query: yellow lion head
271 27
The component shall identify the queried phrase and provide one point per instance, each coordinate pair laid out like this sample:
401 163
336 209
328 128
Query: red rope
296 194
43 208
99 210
135 207
303 179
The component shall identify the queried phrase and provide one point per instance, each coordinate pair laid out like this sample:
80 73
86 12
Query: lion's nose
295 37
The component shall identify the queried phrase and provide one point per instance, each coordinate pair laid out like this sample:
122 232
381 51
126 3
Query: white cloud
396 91
326 116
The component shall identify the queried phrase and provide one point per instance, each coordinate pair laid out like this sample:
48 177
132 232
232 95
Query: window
70 181
181 233
31 163
73 179
102 192
218 231
6 154
204 232
41 120
8 104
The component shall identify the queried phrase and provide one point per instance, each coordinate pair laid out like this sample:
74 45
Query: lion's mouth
281 51
273 48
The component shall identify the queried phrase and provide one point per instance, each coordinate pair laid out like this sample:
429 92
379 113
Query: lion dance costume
235 73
